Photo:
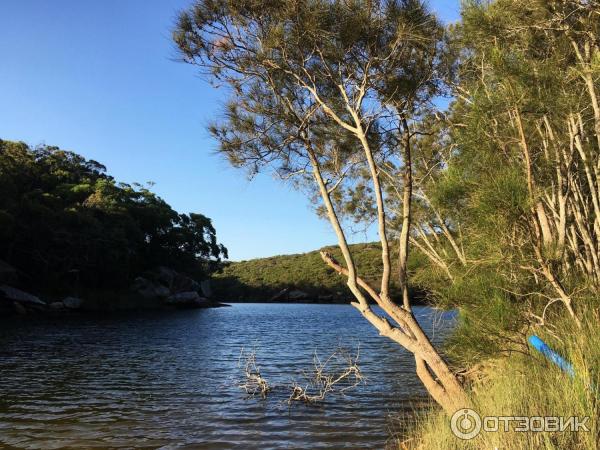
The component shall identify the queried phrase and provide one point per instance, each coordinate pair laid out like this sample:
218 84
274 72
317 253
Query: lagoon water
170 379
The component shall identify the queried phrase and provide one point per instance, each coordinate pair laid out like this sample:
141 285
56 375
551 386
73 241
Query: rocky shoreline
160 288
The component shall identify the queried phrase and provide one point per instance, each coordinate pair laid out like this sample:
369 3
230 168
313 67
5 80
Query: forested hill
67 227
298 277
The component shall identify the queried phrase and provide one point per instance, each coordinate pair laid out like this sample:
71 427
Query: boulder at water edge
72 302
17 295
187 299
183 283
149 289
297 295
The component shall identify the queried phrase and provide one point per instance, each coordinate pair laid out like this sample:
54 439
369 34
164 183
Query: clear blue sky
98 78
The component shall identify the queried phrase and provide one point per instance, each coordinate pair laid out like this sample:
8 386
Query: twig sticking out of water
254 384
340 369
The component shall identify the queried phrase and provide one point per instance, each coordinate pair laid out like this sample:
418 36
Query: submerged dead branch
337 374
254 384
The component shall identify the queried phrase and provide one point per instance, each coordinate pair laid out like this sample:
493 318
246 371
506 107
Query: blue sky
99 78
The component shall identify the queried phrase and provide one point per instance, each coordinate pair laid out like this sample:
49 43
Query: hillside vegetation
68 226
263 279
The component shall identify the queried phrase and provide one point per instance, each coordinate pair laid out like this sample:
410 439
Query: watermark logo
467 424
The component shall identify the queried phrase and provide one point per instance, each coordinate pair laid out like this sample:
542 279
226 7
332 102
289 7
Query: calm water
168 379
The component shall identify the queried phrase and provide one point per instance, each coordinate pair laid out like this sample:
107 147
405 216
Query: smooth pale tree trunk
540 224
432 370
406 213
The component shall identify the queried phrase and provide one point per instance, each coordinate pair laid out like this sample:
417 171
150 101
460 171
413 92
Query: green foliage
508 152
526 384
292 66
261 279
504 185
65 223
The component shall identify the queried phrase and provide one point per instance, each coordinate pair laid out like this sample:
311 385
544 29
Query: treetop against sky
99 78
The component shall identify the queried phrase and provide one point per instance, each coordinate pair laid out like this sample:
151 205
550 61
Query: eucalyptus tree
436 225
323 92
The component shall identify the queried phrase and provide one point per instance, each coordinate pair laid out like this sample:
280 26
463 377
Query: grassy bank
525 384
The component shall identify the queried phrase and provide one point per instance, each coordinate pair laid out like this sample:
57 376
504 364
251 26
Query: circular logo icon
465 424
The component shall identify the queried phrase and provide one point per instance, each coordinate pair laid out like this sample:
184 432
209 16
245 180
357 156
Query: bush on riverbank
526 384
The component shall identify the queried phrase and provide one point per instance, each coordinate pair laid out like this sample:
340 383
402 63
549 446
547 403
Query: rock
297 295
280 295
57 306
325 297
172 280
16 295
164 275
183 297
182 283
72 302
8 273
149 289
205 288
19 308
186 299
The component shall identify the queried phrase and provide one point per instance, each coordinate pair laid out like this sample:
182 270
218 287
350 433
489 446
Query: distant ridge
277 277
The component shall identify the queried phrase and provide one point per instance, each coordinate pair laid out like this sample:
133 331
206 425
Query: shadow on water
168 379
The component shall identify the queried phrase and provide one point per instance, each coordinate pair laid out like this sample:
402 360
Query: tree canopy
499 193
64 222
327 93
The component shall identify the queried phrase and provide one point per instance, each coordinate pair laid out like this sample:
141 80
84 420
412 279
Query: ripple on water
167 379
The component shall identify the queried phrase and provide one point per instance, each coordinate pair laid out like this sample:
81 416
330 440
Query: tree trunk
406 213
432 370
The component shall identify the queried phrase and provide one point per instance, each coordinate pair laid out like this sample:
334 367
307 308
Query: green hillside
263 279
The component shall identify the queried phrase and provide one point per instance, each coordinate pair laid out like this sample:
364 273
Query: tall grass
526 384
